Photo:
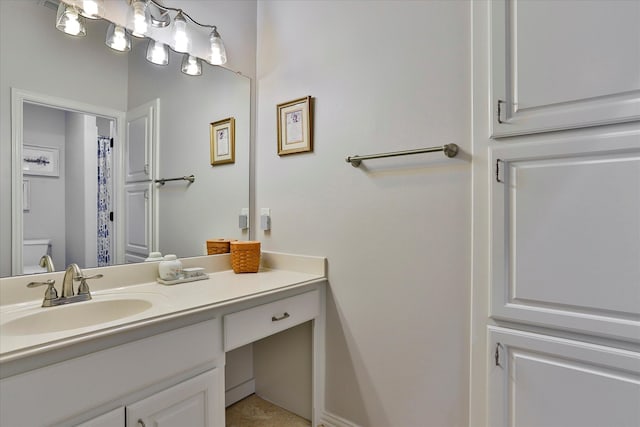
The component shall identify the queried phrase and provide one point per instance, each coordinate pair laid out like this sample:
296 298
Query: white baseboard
239 392
327 419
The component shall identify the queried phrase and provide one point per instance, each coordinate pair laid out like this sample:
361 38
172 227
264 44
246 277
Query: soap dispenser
170 268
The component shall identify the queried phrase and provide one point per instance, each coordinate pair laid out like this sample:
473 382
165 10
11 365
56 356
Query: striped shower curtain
105 188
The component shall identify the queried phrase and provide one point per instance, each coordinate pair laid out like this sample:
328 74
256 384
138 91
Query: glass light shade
139 18
69 21
157 53
218 54
191 65
92 9
181 40
117 38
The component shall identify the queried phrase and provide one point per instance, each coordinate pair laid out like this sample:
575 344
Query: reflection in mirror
159 120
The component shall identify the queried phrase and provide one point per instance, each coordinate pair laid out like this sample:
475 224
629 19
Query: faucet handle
50 294
83 288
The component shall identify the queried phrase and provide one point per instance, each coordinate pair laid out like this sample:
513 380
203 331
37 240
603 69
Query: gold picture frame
223 141
295 126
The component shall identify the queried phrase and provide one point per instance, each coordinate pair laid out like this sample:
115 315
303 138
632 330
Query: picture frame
26 195
223 141
295 126
43 161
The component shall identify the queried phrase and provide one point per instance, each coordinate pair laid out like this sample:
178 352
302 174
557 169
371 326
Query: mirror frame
18 98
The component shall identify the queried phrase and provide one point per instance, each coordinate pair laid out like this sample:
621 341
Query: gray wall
46 218
386 76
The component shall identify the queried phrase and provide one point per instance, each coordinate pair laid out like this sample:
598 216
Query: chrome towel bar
450 150
189 178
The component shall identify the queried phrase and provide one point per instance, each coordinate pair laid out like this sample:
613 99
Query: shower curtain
105 189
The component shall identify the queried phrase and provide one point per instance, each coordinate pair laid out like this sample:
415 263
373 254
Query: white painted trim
18 98
239 392
327 419
318 360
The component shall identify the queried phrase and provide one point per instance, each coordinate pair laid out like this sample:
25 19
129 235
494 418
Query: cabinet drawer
258 322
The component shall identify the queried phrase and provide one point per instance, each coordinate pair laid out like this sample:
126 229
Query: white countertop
279 272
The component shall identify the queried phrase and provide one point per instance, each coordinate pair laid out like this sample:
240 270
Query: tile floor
253 411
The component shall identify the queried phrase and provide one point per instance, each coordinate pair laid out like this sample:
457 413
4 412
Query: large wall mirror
64 186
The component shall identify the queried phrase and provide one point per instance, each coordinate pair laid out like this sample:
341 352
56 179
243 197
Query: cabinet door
566 234
113 418
138 221
537 380
197 402
140 142
564 64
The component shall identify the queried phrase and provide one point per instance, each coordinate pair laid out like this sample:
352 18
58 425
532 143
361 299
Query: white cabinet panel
138 219
564 64
250 325
141 142
193 403
566 232
537 380
113 418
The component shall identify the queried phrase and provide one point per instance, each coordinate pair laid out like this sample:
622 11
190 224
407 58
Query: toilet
32 251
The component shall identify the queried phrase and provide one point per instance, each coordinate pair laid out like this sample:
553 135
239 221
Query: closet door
566 234
564 64
538 380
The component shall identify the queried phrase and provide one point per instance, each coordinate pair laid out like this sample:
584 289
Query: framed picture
40 161
295 126
26 195
223 141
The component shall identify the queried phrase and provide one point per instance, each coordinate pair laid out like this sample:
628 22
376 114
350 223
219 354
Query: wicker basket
218 246
245 256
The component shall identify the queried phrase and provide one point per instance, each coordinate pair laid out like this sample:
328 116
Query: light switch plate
265 219
243 219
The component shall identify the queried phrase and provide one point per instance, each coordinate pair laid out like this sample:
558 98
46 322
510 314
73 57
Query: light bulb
72 25
218 54
139 18
157 53
191 66
181 41
69 21
90 9
117 38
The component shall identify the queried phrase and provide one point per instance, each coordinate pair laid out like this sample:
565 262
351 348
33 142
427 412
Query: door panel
138 219
566 233
191 403
564 64
538 380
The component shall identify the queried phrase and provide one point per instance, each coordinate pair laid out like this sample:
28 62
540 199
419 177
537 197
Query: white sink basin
74 316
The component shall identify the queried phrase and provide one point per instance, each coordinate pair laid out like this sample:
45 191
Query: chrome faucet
47 262
71 274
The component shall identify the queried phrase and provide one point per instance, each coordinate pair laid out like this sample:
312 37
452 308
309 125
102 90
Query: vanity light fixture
157 52
92 9
142 15
117 38
69 21
191 65
139 18
218 54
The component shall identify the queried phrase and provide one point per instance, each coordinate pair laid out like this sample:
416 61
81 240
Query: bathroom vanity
150 354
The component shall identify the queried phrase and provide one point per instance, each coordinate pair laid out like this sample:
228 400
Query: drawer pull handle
141 423
277 319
